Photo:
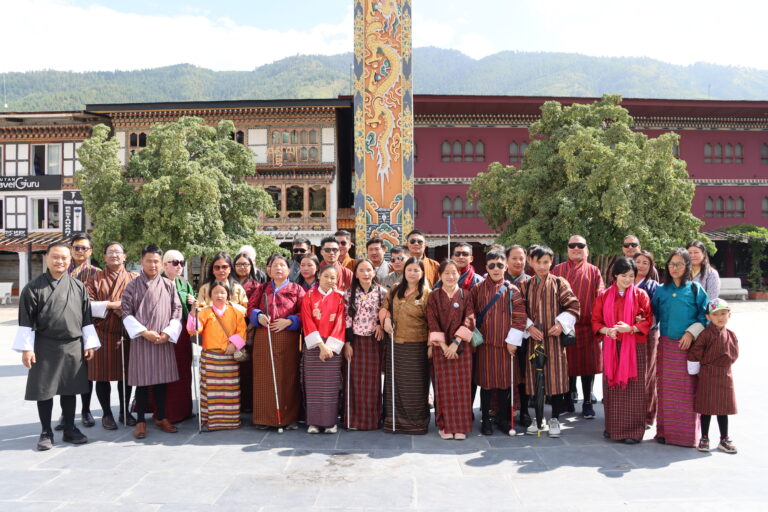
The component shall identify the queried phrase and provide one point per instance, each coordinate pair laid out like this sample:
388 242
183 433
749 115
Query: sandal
703 444
459 436
726 445
445 435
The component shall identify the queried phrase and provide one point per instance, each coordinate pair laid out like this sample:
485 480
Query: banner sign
30 182
74 213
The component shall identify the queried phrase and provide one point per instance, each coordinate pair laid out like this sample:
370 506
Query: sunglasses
576 245
330 249
221 267
343 243
80 248
492 266
299 251
416 241
398 258
631 244
462 254
178 263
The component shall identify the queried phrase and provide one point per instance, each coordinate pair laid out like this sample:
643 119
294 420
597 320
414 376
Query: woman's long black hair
399 290
352 308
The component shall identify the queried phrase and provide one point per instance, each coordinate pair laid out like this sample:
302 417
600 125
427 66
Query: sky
106 35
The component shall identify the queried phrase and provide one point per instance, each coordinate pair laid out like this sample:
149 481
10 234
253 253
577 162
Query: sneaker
703 444
74 436
532 430
587 411
524 420
292 426
45 442
554 427
313 430
726 445
331 430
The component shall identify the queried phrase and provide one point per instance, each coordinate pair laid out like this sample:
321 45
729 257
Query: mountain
436 71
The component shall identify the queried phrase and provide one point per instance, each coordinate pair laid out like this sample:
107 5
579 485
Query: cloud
50 34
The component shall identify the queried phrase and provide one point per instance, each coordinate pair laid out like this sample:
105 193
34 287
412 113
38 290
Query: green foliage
586 172
758 240
186 190
439 71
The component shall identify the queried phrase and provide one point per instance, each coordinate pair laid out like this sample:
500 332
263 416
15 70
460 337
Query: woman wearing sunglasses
221 270
178 404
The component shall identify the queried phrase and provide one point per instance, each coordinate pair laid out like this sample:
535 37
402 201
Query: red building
724 143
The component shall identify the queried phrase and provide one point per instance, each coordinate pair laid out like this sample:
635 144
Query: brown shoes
140 432
166 426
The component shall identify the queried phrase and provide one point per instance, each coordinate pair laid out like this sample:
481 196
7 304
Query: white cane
125 389
196 372
511 395
349 373
274 376
392 360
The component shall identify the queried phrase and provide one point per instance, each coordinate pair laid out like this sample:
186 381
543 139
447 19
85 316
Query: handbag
240 355
477 336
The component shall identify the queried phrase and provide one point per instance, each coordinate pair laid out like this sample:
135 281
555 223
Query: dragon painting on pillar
383 103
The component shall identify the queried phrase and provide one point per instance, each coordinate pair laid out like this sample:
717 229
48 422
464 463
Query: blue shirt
649 285
676 308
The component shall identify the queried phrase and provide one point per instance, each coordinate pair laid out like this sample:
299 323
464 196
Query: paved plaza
249 469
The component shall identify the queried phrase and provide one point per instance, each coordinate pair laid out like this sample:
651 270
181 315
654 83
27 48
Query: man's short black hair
151 249
343 232
539 251
415 232
397 249
81 236
375 240
299 240
328 240
495 255
58 244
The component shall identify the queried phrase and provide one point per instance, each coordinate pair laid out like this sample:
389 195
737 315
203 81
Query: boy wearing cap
711 357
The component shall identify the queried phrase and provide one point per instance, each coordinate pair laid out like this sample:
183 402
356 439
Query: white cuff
239 307
695 330
693 367
173 330
99 309
528 323
133 326
334 344
514 337
567 320
313 339
25 339
90 338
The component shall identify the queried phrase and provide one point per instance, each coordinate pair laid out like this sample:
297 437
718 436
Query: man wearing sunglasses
631 246
329 249
585 359
397 259
301 246
501 318
462 255
344 238
417 246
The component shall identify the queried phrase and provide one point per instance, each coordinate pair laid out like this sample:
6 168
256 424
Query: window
16 160
142 140
739 207
275 137
457 155
292 146
445 151
317 202
46 159
294 201
462 152
765 206
458 207
415 152
277 198
517 151
45 213
469 208
137 140
469 151
314 155
415 208
729 207
238 136
70 162
304 137
764 154
303 154
447 206
709 207
723 153
676 150
313 137
15 212
2 204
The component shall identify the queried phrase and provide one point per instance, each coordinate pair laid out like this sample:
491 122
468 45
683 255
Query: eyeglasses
221 267
398 258
576 245
299 251
114 253
418 241
179 263
631 244
242 265
330 249
462 254
343 243
492 266
80 248
676 265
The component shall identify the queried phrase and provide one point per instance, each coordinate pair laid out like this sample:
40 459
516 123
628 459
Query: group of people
309 339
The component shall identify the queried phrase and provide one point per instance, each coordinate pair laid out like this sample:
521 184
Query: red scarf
469 278
619 366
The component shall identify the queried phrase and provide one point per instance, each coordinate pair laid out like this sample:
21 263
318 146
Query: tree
757 237
185 190
586 172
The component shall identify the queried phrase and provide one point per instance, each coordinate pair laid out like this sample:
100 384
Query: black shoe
630 441
587 411
661 440
486 428
45 442
606 434
131 420
503 427
87 419
569 407
60 425
525 420
74 436
108 422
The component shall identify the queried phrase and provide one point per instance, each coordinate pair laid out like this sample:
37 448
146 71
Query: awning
438 239
40 241
287 236
722 236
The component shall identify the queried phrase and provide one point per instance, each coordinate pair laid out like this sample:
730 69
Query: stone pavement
255 470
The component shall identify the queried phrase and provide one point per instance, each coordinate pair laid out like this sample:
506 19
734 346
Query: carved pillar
383 120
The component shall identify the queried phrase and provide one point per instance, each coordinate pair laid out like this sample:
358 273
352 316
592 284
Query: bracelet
457 341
